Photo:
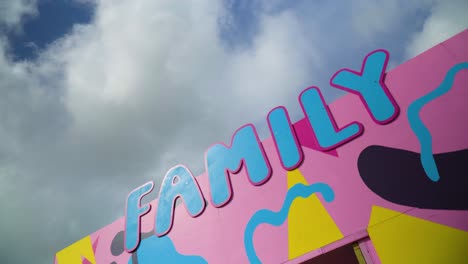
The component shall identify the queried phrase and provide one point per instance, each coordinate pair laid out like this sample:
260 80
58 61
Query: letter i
285 139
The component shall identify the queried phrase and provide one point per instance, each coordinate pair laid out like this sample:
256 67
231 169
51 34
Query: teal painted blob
418 127
161 250
278 218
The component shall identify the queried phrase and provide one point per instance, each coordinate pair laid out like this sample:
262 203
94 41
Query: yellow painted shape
74 253
309 225
407 239
358 253
382 215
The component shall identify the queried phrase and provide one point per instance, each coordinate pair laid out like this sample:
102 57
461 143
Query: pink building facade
378 176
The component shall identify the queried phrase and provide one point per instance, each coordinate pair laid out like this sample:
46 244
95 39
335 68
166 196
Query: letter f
133 213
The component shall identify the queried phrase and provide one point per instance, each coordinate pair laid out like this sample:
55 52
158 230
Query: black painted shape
117 245
397 176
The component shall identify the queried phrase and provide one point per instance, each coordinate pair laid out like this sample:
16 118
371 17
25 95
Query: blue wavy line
277 218
418 127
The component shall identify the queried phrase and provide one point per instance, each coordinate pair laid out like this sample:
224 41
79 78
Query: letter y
369 85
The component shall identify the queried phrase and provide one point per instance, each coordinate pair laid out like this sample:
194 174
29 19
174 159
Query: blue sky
113 93
54 19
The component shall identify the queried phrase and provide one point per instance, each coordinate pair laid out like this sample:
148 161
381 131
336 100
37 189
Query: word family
246 149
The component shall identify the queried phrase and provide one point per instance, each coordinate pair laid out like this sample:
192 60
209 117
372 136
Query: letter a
178 182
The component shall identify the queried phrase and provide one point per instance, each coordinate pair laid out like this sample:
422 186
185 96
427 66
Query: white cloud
143 87
12 11
146 85
372 18
447 18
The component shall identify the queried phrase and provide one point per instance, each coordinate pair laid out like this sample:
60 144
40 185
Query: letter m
221 160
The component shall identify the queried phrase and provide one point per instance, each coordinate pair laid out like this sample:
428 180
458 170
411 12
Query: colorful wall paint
387 162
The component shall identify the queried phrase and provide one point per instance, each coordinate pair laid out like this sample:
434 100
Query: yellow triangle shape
380 214
407 239
73 254
309 224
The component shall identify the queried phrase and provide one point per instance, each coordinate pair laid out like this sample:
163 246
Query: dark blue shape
277 218
397 176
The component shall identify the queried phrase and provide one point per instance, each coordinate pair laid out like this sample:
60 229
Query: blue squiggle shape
277 218
418 127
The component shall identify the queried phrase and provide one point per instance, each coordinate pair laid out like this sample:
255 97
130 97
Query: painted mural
386 166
